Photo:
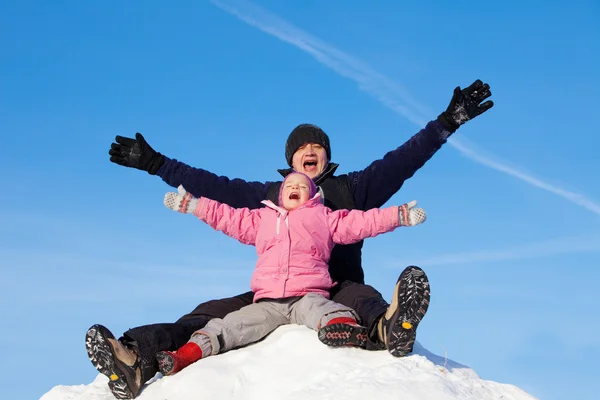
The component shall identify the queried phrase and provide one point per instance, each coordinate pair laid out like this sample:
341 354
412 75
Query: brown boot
112 358
397 328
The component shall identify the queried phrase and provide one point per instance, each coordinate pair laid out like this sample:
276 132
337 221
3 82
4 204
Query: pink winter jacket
294 247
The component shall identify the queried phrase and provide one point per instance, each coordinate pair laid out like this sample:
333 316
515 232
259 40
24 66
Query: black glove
465 105
135 153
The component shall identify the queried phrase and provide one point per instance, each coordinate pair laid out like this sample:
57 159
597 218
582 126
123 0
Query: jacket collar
329 170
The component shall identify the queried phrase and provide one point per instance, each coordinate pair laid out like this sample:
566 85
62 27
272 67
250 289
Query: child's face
295 191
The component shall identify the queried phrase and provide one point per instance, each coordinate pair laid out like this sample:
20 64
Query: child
291 281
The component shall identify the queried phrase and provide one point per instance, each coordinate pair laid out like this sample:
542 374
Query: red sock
189 353
343 320
171 362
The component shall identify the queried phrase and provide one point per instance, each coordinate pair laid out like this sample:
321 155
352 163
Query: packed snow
292 363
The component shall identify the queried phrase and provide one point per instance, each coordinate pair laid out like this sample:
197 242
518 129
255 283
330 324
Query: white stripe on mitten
409 215
182 201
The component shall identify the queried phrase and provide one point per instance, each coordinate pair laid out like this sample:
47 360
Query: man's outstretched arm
137 153
376 184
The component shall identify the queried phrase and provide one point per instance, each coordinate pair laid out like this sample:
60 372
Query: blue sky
512 241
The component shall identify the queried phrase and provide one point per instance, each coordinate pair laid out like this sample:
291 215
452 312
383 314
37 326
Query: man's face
295 191
310 158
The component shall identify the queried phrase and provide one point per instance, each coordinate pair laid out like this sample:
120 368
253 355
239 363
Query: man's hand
411 216
466 104
182 201
135 153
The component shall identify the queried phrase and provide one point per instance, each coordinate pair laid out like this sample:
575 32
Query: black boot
398 326
344 332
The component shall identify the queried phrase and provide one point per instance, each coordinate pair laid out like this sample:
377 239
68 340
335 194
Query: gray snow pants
255 321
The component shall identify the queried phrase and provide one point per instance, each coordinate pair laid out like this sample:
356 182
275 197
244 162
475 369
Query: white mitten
182 201
411 216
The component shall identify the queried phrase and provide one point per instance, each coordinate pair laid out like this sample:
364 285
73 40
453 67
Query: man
130 361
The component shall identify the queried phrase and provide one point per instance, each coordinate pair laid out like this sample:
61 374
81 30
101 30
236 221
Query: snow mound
292 364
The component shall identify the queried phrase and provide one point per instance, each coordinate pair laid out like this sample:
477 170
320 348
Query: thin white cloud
389 93
30 277
470 152
561 246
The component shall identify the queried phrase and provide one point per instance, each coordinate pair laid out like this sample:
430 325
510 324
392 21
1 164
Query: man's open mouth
310 164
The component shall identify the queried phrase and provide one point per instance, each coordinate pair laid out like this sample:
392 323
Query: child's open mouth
294 196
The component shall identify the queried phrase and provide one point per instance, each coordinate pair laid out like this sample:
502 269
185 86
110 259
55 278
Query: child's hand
182 201
411 216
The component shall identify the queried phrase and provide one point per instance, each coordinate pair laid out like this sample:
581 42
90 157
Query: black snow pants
150 339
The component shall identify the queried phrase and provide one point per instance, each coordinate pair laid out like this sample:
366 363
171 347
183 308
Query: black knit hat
302 134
